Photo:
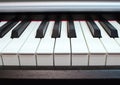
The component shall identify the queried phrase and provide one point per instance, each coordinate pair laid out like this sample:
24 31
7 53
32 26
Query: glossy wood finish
60 72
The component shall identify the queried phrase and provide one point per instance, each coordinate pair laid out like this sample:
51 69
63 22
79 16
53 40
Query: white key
116 57
79 48
62 51
45 49
9 53
97 54
111 46
2 23
6 40
27 52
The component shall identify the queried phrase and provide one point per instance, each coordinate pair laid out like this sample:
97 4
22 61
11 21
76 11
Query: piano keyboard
60 42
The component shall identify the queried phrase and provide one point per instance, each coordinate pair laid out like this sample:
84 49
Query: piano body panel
59 6
44 72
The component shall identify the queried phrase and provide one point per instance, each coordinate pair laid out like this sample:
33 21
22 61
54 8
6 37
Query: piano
58 39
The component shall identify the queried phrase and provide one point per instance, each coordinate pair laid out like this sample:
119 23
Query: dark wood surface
60 72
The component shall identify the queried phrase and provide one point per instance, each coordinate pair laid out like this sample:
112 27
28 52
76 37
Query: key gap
85 43
106 52
23 45
70 52
36 52
54 53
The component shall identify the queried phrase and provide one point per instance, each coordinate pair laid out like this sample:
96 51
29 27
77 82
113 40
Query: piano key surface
27 51
112 50
45 49
12 50
87 55
20 28
97 52
56 29
78 49
94 28
62 47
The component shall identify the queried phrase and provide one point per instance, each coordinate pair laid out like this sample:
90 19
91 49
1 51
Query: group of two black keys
40 33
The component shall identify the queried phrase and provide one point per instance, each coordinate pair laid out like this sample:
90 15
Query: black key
111 31
71 29
7 27
118 19
95 31
56 29
20 29
42 29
